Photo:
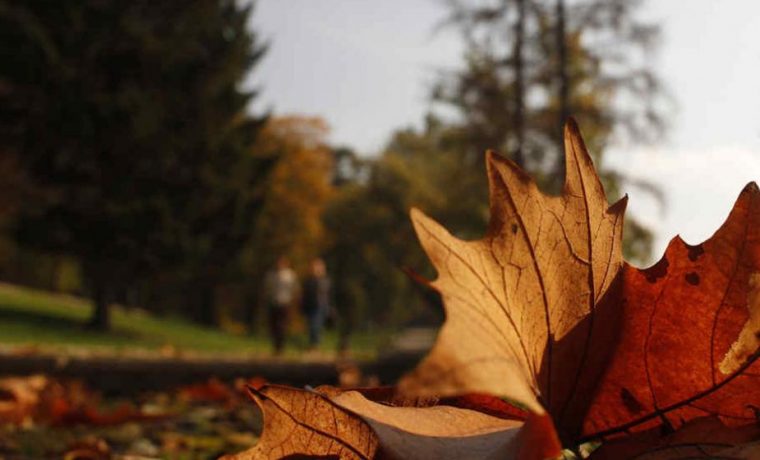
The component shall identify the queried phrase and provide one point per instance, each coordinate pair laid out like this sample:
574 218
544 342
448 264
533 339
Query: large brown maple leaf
528 311
542 311
347 424
689 334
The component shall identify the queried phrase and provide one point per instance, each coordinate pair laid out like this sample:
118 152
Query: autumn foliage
543 313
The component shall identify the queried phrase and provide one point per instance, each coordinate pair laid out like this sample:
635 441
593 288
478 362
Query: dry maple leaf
436 432
688 334
540 311
704 437
467 426
522 302
20 397
334 423
306 423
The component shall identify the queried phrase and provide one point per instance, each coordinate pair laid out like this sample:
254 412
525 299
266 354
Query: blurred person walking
281 290
315 300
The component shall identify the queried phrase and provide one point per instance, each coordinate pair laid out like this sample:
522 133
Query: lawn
50 321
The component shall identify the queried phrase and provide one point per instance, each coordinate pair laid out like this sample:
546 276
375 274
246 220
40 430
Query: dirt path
129 374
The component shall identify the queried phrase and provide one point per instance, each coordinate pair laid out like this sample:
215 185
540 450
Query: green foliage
129 120
372 236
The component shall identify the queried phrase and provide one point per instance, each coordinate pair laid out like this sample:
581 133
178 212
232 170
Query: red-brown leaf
705 437
681 318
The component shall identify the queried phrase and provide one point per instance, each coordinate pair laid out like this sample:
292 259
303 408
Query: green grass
55 322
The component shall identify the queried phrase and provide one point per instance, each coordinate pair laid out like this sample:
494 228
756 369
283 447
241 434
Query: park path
120 374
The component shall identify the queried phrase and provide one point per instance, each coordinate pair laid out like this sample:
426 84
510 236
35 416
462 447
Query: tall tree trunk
345 306
204 300
519 109
563 87
101 315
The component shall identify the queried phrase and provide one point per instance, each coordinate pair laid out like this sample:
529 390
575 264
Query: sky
366 68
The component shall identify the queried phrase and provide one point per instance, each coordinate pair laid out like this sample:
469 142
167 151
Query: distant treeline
133 171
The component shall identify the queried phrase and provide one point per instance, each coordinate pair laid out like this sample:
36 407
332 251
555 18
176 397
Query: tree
130 118
372 237
529 64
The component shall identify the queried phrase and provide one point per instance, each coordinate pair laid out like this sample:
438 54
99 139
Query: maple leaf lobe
525 294
306 424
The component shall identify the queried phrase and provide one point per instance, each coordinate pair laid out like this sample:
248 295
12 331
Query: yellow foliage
298 190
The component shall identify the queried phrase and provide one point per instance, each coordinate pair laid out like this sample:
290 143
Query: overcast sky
366 66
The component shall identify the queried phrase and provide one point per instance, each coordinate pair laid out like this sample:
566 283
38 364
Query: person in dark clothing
315 299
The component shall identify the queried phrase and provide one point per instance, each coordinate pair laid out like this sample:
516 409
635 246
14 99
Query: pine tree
130 119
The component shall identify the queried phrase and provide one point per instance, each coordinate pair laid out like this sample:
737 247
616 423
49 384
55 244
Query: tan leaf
521 303
20 397
447 432
305 423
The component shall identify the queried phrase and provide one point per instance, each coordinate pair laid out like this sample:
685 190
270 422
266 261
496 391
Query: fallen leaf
522 302
389 395
88 449
65 414
447 432
541 311
689 334
324 421
212 390
20 397
749 451
306 423
704 437
486 404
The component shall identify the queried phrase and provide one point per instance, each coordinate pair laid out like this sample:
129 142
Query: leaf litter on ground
63 419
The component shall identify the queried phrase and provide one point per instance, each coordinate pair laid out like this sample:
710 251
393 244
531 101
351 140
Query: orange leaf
487 404
20 397
689 335
212 390
705 437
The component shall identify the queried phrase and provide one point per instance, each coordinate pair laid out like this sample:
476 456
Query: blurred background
157 160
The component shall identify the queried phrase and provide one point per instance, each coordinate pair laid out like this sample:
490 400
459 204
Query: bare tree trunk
519 109
563 80
203 300
101 315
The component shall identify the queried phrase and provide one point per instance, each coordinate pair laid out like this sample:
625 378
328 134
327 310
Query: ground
204 422
32 318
